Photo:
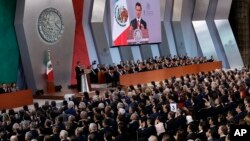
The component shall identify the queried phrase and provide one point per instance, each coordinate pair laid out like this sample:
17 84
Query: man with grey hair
152 138
71 104
92 137
120 105
28 136
64 135
79 134
13 138
71 110
16 127
93 130
33 129
133 125
25 124
121 111
92 127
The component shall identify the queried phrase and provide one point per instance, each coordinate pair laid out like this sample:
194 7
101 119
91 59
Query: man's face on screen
138 11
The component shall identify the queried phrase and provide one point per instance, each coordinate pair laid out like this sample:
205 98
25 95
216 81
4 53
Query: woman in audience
13 87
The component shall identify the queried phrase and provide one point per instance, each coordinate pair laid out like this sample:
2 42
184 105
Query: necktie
138 24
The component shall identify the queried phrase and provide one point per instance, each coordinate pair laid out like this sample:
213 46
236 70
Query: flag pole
49 72
48 54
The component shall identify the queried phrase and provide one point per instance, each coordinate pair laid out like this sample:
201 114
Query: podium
101 77
137 36
85 82
51 87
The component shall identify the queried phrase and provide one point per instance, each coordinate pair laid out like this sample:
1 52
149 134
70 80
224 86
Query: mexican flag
120 23
49 70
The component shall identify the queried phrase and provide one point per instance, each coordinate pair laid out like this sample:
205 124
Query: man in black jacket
79 72
138 22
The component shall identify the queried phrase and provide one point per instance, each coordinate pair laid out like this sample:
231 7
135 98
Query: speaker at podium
85 81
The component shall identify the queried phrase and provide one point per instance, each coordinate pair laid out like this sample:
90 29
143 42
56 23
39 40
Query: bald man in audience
13 138
64 135
152 138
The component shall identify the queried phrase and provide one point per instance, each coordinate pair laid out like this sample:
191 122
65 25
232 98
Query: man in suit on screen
138 22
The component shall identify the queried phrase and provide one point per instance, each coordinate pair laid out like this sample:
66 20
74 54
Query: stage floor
64 94
65 91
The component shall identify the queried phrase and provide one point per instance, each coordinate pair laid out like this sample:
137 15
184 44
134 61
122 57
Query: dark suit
2 91
222 138
202 136
122 137
133 24
239 116
191 136
133 126
71 111
78 77
93 76
55 137
144 134
40 138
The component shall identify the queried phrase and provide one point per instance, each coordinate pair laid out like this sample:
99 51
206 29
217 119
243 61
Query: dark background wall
239 20
9 52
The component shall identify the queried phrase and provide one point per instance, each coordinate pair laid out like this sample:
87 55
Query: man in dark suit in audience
133 126
93 75
240 109
4 89
1 90
191 132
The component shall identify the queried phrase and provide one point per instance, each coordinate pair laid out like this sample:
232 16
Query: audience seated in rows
111 73
6 88
208 103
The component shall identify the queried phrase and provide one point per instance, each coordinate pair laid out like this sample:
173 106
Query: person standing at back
79 71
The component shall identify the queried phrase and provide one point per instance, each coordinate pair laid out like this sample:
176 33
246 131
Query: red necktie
138 24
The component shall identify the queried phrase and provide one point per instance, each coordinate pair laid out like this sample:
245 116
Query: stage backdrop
9 54
124 25
44 25
80 47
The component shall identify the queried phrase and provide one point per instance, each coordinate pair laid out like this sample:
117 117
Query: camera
94 62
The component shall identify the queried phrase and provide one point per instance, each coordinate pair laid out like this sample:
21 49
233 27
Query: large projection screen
135 22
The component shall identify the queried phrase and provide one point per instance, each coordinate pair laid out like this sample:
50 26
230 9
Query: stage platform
56 96
66 91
